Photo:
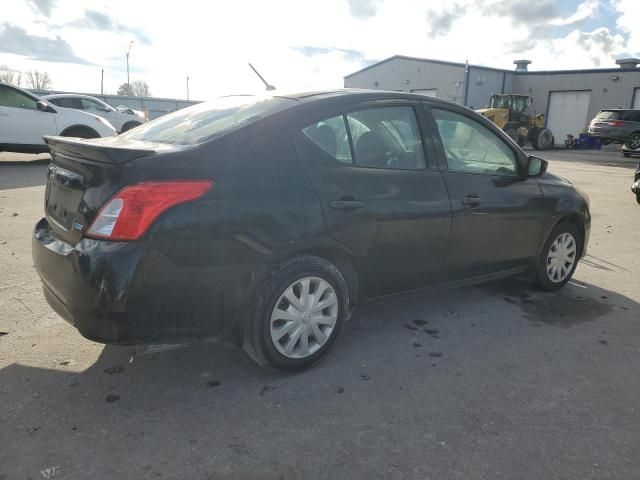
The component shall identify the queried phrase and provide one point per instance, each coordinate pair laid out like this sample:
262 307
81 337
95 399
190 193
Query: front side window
381 137
15 99
471 147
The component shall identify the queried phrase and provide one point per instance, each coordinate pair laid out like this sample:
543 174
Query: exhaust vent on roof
522 65
628 62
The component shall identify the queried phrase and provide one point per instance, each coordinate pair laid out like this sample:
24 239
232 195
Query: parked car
617 126
122 120
265 222
26 118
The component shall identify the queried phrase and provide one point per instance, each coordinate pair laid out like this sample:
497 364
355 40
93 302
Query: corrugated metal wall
605 92
482 84
405 75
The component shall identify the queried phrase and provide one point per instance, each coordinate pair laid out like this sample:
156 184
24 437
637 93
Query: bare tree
140 88
125 89
10 76
38 80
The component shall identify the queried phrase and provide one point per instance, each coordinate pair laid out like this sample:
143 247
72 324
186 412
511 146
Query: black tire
80 132
541 138
633 141
542 279
129 126
626 154
258 343
638 198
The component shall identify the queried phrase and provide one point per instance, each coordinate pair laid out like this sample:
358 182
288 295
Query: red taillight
615 123
131 211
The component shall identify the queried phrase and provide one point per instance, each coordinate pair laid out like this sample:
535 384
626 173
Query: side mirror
536 166
42 106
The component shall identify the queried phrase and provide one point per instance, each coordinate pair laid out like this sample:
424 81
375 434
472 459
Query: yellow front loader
510 113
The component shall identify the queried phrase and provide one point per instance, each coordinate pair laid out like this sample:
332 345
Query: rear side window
67 102
208 120
331 136
609 115
381 137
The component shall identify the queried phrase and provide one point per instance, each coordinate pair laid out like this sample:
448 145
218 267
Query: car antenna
270 87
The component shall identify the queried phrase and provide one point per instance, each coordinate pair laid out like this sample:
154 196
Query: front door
20 121
498 213
381 193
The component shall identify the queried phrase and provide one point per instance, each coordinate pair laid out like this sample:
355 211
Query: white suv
121 120
25 119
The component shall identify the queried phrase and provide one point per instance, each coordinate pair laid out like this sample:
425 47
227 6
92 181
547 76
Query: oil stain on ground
563 308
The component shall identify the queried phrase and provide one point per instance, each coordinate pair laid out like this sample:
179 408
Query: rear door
20 120
380 191
498 217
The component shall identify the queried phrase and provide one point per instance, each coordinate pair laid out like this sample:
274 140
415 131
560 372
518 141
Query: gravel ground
490 382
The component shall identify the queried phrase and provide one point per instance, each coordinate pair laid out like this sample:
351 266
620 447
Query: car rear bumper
129 293
608 133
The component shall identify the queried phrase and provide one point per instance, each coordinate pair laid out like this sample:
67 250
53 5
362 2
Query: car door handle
345 204
471 200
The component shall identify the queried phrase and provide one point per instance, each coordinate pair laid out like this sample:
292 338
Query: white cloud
212 42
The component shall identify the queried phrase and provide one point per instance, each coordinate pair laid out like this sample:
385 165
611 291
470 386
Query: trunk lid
82 176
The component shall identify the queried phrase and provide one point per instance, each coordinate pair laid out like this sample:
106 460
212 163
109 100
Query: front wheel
633 142
559 257
541 138
638 198
299 314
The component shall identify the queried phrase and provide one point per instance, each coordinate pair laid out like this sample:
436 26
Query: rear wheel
559 257
541 138
633 142
299 314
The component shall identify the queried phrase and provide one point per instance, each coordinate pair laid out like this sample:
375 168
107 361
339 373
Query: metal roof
529 72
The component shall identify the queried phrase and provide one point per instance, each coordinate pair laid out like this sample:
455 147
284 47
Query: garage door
428 92
636 99
567 113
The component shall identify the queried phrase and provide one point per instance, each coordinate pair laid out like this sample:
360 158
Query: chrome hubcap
304 317
561 257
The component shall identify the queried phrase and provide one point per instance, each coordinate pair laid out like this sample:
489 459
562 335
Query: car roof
356 94
70 95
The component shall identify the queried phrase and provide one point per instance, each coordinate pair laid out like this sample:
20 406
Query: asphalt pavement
497 381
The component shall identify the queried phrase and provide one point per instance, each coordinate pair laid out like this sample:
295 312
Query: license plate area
61 205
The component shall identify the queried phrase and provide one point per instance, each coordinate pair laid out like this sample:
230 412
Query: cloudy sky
299 44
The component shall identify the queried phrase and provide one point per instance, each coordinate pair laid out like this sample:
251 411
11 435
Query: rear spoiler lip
80 148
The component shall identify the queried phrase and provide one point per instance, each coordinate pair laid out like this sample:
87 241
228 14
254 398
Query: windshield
205 121
515 103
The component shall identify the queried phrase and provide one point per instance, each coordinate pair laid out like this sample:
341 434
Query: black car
264 222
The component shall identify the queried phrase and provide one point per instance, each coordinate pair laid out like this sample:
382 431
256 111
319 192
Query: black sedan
264 222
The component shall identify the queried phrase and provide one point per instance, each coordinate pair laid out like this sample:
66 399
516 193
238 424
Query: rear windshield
205 121
609 115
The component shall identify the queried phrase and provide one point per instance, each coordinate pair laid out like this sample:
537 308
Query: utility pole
187 87
128 52
102 83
